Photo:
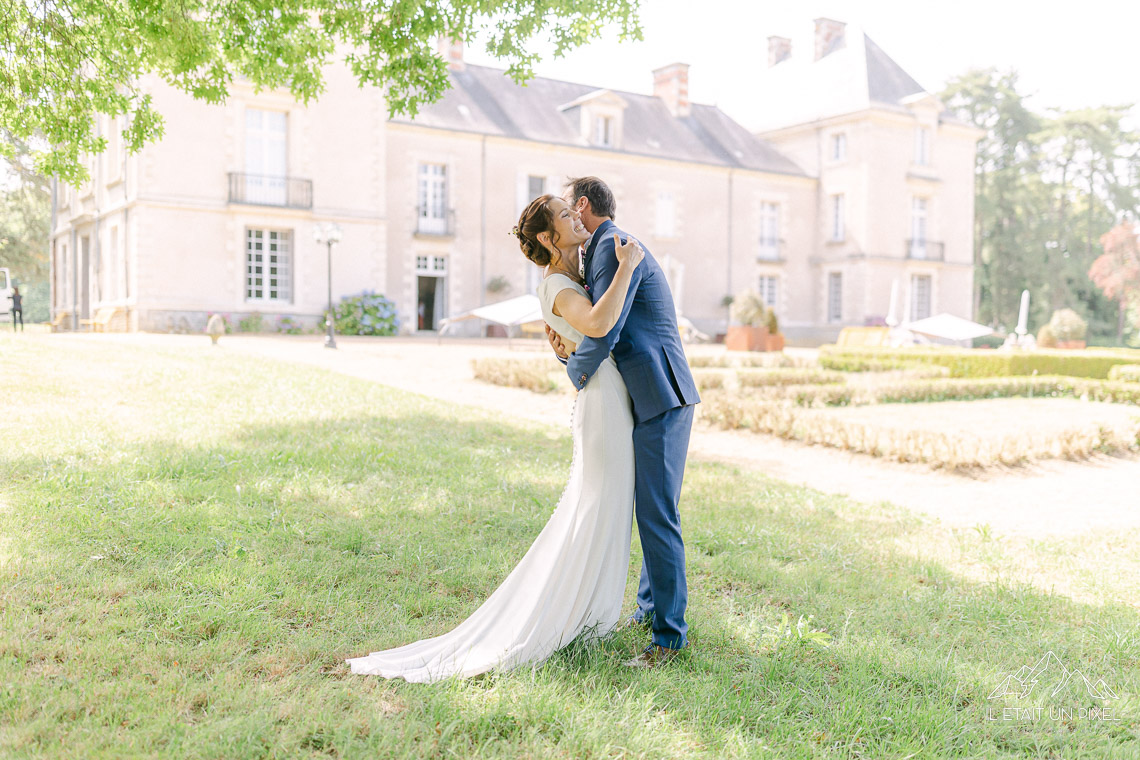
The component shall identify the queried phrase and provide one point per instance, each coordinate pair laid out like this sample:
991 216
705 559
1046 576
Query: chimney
829 37
671 84
451 50
779 49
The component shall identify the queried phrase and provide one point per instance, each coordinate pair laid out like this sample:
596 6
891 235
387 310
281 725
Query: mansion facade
857 179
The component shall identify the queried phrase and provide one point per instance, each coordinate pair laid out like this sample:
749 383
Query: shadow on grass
186 586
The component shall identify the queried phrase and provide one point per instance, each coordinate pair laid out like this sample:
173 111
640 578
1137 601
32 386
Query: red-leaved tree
1117 270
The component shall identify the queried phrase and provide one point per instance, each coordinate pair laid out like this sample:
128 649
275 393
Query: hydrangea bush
368 313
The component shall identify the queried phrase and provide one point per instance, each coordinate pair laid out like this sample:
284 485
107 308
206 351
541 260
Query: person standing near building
17 309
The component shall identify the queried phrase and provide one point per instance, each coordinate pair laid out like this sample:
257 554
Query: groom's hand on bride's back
556 344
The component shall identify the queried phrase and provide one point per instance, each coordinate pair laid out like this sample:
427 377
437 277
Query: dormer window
604 131
598 115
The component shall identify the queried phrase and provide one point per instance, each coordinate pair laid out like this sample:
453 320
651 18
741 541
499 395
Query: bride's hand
630 254
556 343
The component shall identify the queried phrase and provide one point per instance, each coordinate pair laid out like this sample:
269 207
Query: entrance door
429 302
431 291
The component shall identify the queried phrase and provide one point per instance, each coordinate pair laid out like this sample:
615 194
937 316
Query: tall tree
1088 151
62 62
25 210
1046 187
1117 271
1007 238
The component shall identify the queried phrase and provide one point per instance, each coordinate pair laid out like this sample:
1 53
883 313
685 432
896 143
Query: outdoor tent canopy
509 313
948 327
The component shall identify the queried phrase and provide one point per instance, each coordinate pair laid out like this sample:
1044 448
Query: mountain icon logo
1022 683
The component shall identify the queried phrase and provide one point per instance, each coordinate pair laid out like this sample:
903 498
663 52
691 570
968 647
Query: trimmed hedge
970 363
710 379
952 450
758 378
1125 373
538 375
738 359
958 389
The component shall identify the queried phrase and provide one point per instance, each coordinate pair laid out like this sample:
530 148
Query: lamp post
328 234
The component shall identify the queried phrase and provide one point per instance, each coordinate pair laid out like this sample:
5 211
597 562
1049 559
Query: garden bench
61 321
101 320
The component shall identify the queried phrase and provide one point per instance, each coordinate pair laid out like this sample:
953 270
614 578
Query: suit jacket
645 342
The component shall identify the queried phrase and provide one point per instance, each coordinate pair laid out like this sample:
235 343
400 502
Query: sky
1084 56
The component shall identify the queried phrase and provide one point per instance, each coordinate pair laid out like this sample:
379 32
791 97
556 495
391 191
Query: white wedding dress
572 579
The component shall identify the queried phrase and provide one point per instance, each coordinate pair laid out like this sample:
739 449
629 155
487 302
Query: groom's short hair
598 193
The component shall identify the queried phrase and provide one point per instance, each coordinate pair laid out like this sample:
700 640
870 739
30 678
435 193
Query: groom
646 346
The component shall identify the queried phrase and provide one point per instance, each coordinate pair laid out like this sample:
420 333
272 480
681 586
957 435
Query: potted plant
1068 328
775 338
498 285
751 334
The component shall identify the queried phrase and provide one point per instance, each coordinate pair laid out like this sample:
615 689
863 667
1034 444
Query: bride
572 579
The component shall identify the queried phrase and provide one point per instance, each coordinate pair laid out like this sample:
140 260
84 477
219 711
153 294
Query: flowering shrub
365 314
289 326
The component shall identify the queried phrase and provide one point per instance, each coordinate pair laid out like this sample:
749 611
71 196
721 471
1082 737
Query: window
666 215
919 296
431 210
535 186
835 297
838 223
922 146
435 266
918 228
268 265
839 147
769 231
769 290
265 157
529 187
604 131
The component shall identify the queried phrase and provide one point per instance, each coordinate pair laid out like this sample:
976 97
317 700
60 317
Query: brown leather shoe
653 656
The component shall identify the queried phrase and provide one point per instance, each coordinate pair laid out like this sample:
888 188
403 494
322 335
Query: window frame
834 297
839 147
838 218
928 282
289 268
922 135
432 195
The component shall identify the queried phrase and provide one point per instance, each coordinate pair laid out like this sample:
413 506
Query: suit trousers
660 446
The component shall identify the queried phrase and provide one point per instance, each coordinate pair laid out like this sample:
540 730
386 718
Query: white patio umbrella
1023 315
510 313
948 327
893 312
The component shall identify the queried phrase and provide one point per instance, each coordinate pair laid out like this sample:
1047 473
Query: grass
191 542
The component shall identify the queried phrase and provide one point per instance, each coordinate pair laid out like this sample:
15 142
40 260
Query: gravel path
1048 498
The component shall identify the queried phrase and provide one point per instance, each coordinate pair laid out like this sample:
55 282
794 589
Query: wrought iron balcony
925 250
441 226
266 190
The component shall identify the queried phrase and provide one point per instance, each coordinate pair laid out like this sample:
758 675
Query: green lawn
192 541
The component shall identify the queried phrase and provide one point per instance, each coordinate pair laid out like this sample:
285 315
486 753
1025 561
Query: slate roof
855 77
886 81
485 101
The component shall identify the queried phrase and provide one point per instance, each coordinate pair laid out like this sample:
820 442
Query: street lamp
328 234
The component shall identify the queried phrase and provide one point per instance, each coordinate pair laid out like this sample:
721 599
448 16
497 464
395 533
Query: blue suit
646 345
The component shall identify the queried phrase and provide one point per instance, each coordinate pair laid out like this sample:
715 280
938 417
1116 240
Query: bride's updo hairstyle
536 218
